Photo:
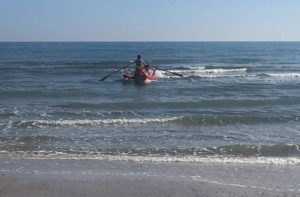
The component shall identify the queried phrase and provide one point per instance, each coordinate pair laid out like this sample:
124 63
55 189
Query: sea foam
190 159
204 72
86 122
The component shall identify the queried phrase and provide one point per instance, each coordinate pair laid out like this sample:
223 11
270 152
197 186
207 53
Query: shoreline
24 177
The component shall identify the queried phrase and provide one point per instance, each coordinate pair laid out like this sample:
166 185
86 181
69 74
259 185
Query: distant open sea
237 102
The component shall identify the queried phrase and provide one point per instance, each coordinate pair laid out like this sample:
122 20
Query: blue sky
149 20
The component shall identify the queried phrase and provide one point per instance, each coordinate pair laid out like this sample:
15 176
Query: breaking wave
220 72
240 154
283 75
37 123
205 72
188 120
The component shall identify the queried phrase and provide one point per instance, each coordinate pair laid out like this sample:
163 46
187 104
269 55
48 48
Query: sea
237 102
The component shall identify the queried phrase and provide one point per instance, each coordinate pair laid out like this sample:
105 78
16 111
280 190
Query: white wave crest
201 71
96 122
284 75
194 67
194 159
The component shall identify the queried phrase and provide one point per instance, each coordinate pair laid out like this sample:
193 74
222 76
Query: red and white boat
141 76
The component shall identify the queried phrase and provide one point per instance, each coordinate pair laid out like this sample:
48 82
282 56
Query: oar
180 75
114 72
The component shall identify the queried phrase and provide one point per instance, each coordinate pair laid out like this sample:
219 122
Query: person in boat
139 63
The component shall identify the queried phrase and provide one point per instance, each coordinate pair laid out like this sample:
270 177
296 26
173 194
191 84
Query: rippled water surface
235 101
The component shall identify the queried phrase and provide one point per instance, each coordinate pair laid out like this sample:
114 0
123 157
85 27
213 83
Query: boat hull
140 77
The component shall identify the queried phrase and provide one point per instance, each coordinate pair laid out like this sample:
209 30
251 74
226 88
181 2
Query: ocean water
237 102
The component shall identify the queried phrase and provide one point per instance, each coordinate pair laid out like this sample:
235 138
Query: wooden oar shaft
170 72
114 72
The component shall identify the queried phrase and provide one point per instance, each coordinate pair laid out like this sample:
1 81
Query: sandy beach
100 178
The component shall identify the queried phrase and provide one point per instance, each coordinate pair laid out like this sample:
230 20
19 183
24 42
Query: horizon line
157 41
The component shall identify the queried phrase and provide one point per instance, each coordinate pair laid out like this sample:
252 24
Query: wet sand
79 178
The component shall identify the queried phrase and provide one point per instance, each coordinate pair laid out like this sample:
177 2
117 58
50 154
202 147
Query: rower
139 62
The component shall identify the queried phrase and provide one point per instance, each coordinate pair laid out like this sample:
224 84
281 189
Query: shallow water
236 101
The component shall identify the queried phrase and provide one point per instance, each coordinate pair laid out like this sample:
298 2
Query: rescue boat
141 76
